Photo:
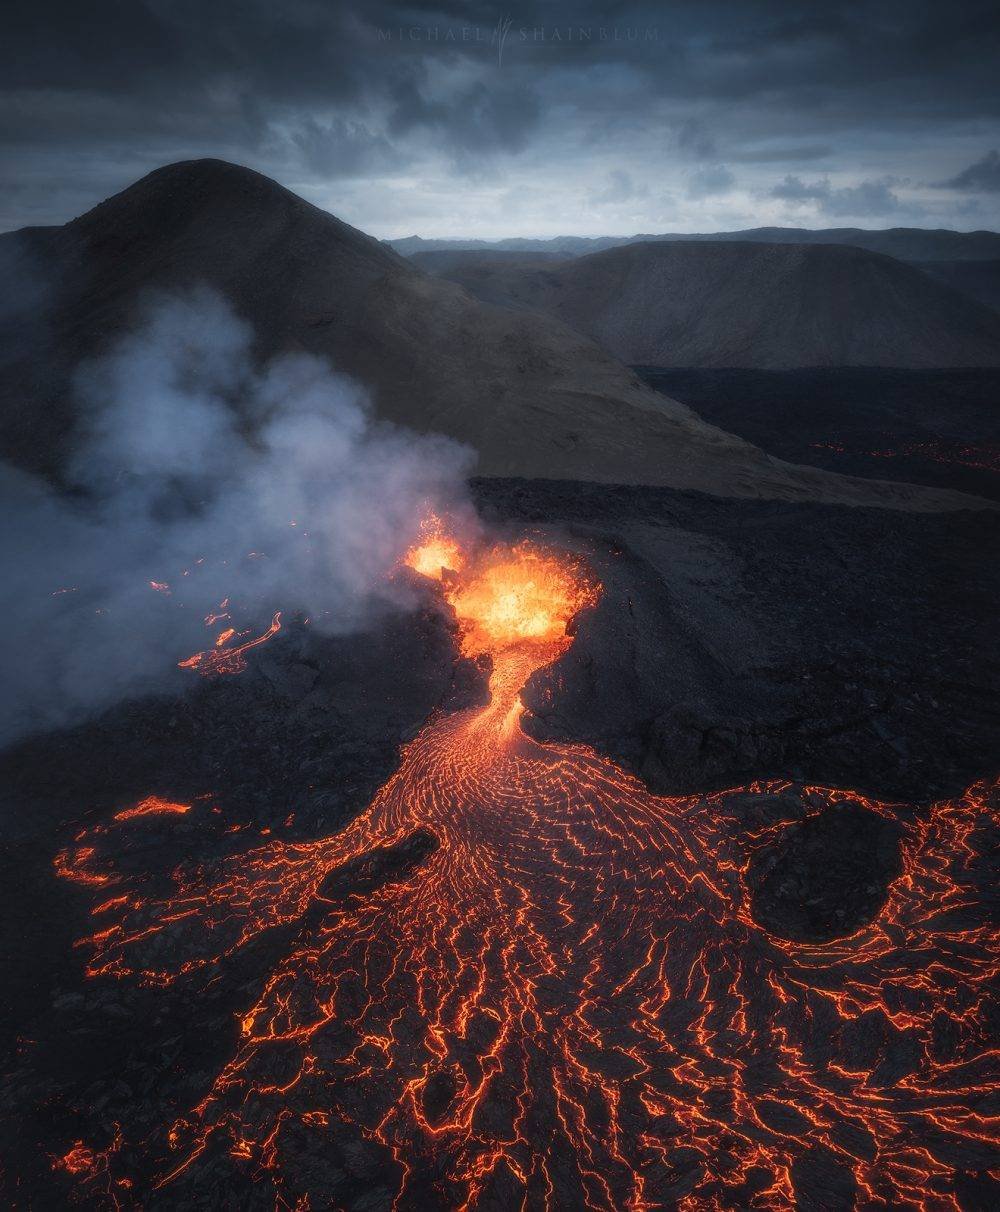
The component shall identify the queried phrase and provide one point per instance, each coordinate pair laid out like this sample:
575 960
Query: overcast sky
538 120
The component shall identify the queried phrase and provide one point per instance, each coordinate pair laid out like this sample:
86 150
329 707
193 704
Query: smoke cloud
200 478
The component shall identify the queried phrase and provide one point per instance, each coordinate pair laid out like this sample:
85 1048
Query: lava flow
983 457
226 657
561 999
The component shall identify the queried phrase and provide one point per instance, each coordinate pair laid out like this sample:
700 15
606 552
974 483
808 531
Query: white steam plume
190 458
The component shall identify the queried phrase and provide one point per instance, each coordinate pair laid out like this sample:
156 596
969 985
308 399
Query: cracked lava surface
566 1002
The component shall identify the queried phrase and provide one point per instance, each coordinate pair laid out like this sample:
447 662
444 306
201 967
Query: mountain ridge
749 305
533 397
904 243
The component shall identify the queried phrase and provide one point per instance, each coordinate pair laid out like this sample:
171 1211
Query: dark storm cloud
794 189
868 198
783 155
693 138
165 47
619 188
983 176
342 149
475 118
865 198
707 181
93 95
921 57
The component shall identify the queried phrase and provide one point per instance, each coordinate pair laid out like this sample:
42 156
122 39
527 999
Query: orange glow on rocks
152 805
79 1160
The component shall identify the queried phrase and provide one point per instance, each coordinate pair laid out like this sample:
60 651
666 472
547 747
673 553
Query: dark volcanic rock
438 1094
936 427
823 1183
691 743
845 647
826 876
374 870
979 280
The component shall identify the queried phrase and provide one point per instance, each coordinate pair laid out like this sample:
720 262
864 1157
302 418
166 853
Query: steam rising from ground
214 479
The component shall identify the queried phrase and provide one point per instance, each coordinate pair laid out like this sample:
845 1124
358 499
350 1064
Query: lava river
561 999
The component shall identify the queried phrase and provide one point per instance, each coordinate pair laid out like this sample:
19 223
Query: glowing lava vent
505 594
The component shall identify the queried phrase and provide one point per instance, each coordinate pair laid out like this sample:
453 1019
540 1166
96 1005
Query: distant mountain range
740 304
904 243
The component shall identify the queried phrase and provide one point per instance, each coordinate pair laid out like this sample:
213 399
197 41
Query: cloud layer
431 118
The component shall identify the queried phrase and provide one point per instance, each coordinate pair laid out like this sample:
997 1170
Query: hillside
531 395
746 305
978 279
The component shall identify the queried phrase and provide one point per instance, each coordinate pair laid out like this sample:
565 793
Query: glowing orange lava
436 552
222 659
77 1160
516 594
982 457
567 1004
152 805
